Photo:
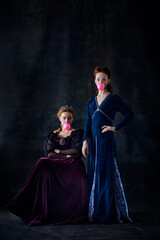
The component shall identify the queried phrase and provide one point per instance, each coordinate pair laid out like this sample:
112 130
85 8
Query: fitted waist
97 128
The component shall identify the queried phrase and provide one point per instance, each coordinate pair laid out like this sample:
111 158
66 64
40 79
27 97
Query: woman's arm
87 128
76 145
49 143
85 148
57 155
87 131
125 110
71 151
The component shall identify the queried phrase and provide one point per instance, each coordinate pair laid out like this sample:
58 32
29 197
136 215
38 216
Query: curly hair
59 114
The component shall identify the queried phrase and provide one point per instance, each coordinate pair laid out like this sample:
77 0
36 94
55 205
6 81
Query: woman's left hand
56 151
106 128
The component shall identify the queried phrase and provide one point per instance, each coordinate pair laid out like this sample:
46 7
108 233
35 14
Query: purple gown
55 192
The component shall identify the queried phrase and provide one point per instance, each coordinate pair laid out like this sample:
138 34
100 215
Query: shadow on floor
146 225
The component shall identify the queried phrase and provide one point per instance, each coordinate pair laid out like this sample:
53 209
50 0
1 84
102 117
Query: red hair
65 110
107 71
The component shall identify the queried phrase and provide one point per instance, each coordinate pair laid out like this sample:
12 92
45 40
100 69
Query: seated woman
55 192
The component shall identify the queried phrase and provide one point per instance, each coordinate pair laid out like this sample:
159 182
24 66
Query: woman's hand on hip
106 128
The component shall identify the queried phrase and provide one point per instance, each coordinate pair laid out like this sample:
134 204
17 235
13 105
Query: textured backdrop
48 50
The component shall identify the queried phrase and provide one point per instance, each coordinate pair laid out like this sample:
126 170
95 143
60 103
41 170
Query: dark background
48 50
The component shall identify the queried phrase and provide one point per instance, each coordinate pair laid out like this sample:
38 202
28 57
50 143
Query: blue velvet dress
105 194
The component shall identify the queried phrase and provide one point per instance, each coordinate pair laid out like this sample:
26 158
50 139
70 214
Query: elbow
130 116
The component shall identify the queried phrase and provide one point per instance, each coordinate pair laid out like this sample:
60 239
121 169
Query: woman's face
102 77
66 117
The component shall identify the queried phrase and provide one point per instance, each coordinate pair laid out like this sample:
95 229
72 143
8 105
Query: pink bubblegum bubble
67 126
100 86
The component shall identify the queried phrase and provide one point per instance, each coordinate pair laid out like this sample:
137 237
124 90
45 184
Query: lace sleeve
71 151
77 140
56 155
49 143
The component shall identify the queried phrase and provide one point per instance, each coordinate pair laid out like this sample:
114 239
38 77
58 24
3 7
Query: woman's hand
106 128
85 148
56 151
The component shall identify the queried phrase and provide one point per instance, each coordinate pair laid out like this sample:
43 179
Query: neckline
98 106
68 135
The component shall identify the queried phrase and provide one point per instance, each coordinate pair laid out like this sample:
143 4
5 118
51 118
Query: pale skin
66 117
102 94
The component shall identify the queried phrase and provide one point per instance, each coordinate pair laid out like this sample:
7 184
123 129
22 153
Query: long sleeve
70 151
56 155
87 129
49 143
77 140
125 110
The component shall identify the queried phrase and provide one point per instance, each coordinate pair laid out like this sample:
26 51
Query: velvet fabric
55 192
106 200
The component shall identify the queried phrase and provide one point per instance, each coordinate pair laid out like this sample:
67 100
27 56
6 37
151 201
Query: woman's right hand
85 148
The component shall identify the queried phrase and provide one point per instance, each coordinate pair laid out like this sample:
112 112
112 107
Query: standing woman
55 192
105 195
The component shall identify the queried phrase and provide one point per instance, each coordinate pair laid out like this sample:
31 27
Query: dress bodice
53 141
104 114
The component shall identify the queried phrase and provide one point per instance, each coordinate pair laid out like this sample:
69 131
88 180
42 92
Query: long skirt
55 193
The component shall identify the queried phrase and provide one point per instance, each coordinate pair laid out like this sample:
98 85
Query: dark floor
146 225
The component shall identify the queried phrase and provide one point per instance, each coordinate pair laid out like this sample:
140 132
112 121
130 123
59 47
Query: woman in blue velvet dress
105 195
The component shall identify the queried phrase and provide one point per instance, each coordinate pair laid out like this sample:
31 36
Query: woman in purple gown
55 192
